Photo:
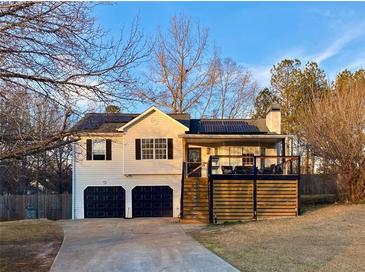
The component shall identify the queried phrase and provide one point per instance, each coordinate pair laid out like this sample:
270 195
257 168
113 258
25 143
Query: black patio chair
269 170
227 169
239 170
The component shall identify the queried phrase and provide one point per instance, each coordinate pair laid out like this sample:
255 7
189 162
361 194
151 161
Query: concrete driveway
147 244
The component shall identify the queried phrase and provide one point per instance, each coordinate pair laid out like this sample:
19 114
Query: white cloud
349 34
353 32
337 46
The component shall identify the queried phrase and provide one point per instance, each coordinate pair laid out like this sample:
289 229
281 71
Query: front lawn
330 238
29 245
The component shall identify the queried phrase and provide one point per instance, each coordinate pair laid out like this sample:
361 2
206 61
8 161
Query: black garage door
104 202
152 201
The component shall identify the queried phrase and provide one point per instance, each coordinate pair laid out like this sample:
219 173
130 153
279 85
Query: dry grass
330 238
29 245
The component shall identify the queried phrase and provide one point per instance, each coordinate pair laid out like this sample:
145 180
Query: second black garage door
152 201
104 202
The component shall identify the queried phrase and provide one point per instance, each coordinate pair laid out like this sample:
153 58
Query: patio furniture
227 169
278 169
269 170
248 170
239 170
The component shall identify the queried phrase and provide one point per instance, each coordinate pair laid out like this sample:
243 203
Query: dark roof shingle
110 122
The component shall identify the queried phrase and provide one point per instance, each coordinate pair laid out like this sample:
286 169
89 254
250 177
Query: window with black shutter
154 149
170 149
108 149
99 149
138 149
89 145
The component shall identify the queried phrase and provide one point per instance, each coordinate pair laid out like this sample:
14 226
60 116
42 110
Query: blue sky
260 34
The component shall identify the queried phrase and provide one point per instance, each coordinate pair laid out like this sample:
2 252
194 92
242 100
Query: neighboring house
131 165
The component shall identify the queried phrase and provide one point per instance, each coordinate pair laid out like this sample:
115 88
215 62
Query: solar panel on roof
223 126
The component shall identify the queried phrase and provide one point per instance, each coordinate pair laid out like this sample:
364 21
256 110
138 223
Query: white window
160 148
147 148
154 148
247 159
99 149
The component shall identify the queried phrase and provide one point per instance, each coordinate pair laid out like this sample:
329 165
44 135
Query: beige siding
123 170
154 125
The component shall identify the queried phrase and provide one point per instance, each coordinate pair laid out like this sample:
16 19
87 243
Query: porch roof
214 138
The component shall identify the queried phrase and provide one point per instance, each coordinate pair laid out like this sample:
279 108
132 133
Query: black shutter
108 149
170 148
138 149
89 149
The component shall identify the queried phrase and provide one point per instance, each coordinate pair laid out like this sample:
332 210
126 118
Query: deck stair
196 200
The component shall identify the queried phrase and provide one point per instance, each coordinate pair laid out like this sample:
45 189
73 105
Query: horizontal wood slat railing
277 200
233 200
221 198
237 200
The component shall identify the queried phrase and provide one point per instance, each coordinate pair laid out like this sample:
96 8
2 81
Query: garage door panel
152 201
104 202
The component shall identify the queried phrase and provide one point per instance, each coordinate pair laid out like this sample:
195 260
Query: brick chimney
273 118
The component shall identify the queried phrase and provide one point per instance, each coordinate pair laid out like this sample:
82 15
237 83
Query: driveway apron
146 244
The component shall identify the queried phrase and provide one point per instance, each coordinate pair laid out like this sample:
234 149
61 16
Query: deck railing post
254 188
298 187
211 190
182 191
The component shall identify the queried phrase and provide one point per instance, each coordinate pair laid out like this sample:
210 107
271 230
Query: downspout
73 179
123 154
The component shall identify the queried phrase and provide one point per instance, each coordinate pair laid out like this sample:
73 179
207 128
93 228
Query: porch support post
184 149
210 191
283 147
254 188
298 187
183 174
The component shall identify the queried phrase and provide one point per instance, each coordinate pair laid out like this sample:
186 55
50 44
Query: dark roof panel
95 121
224 126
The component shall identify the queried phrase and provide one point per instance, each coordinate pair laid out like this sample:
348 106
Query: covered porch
238 177
237 155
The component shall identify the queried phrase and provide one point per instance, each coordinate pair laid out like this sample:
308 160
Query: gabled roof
110 122
116 122
147 112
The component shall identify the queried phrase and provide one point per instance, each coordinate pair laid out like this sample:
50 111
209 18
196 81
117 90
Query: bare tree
334 127
29 124
56 51
234 90
32 118
179 71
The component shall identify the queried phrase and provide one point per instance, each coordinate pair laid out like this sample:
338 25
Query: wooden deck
242 193
238 199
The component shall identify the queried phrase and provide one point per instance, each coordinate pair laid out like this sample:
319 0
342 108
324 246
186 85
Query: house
159 164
